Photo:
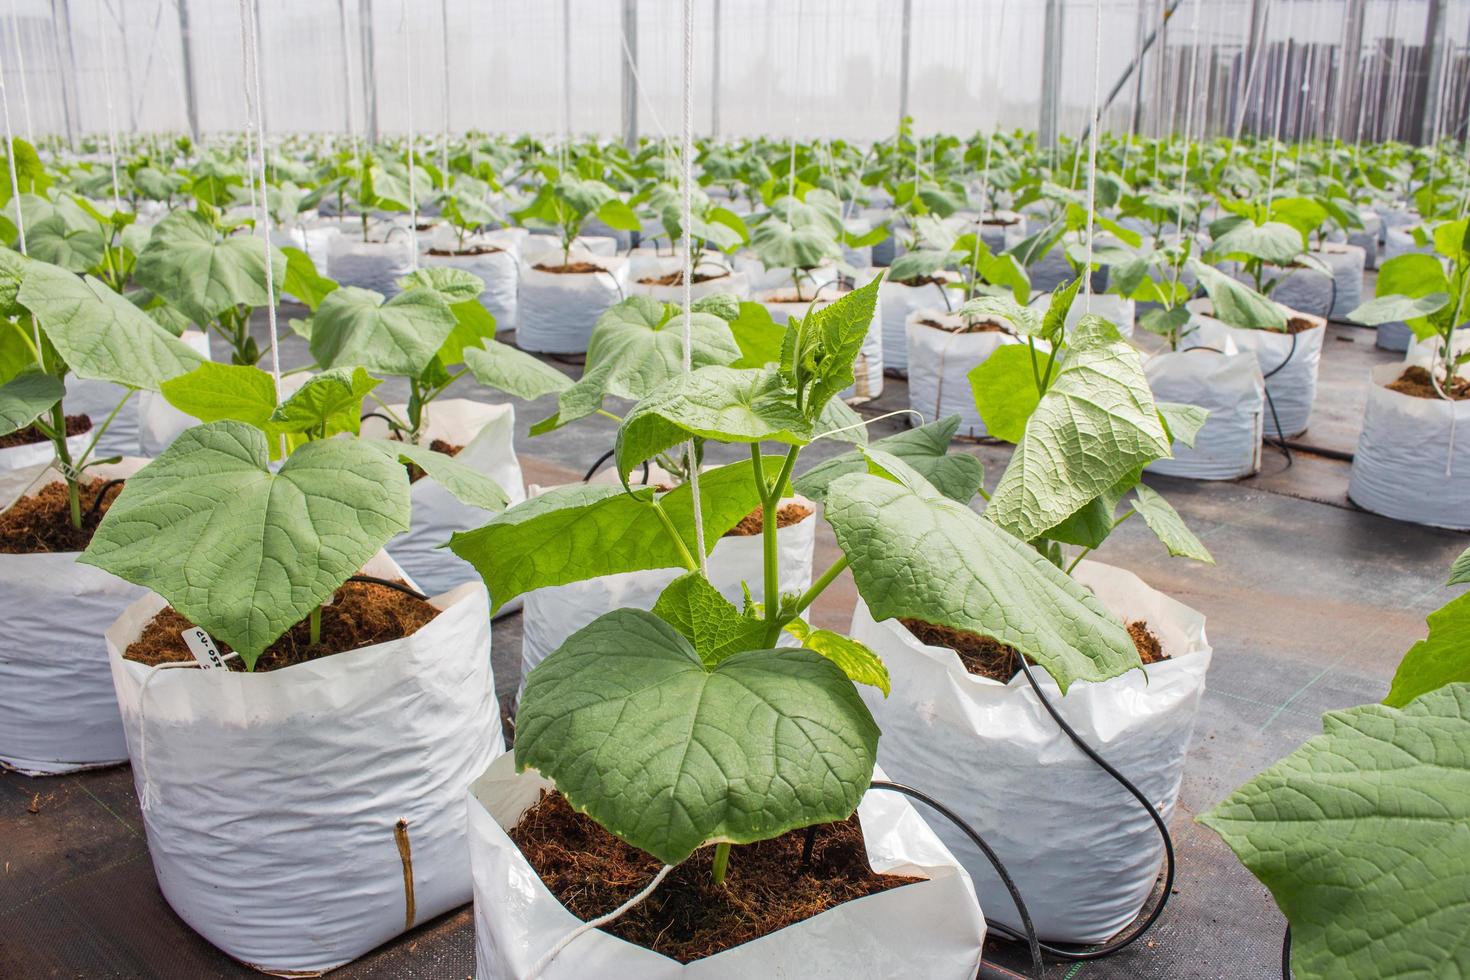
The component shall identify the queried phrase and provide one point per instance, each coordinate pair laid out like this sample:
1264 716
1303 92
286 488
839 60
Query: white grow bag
931 929
57 710
95 399
159 423
1083 853
556 312
1413 457
867 369
1347 263
311 236
1288 362
939 367
500 270
371 265
896 301
487 433
762 279
536 247
1231 389
554 613
653 267
1399 240
270 800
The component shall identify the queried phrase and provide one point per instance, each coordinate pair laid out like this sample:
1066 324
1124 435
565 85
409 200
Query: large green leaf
861 665
1460 570
916 553
190 265
926 448
1004 386
303 281
212 392
585 530
1441 658
1236 303
708 620
513 371
818 353
24 397
466 483
713 403
1388 309
1363 837
240 551
454 284
327 404
76 249
1168 526
641 342
758 336
1096 423
670 755
1275 242
100 335
356 328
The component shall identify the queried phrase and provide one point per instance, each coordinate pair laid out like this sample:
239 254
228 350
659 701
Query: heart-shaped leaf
24 397
190 265
356 328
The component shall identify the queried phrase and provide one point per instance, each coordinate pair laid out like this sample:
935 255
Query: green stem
73 488
1087 551
668 523
316 626
99 430
722 862
616 418
820 585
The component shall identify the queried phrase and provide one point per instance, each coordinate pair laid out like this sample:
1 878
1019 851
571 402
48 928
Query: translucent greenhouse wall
813 67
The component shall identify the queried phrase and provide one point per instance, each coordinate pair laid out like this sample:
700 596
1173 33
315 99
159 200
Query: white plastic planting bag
486 433
94 399
931 929
1399 240
376 265
1309 290
57 710
895 302
867 369
554 613
939 365
500 270
556 311
312 237
1289 364
1119 311
1413 457
1347 263
1082 851
537 247
159 423
1228 386
762 279
1394 336
656 266
271 800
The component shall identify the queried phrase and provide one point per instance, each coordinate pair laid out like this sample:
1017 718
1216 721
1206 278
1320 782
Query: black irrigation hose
1286 954
1109 948
377 415
102 495
603 459
1280 442
1034 944
390 584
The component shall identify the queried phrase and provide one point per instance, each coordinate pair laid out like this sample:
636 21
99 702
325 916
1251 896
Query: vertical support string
413 201
20 211
685 217
20 65
1092 150
111 122
263 215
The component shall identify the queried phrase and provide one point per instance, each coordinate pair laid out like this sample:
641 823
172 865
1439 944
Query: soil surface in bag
798 298
677 278
978 326
75 426
754 523
990 658
41 522
360 615
922 281
472 250
1416 383
439 446
1299 324
689 917
570 269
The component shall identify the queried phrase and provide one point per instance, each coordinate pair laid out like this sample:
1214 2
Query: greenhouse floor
1310 606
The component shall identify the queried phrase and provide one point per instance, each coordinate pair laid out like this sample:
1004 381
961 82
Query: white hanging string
20 64
1092 149
255 119
686 216
413 202
1188 122
596 923
111 121
20 216
1280 99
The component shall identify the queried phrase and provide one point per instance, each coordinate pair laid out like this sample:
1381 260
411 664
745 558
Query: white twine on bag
255 118
145 795
686 216
1092 149
596 923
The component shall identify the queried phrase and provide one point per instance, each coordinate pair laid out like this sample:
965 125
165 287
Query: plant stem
820 585
668 523
316 626
722 862
73 488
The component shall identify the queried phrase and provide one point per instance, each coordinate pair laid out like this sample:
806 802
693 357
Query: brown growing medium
798 298
676 278
1417 383
971 326
360 615
990 658
75 426
439 446
41 522
689 917
1300 324
753 523
472 250
570 268
922 281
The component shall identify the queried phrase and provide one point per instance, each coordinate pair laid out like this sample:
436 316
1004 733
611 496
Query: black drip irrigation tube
1286 954
102 495
389 584
592 470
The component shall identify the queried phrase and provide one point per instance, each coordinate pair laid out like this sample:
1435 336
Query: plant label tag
203 648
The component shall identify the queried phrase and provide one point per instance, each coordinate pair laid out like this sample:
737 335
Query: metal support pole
350 123
369 79
714 68
444 41
1432 58
66 67
1254 69
566 70
191 105
630 82
1051 72
1351 66
905 46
